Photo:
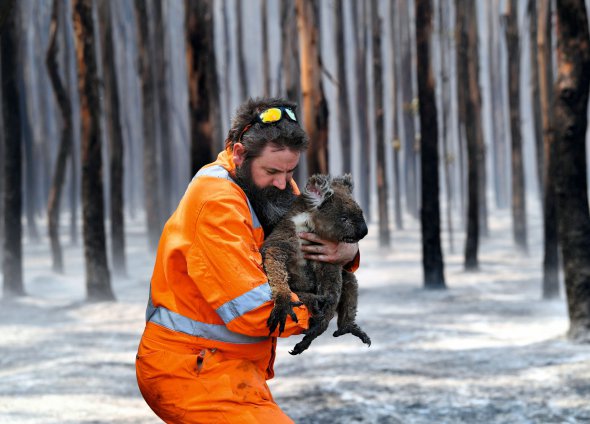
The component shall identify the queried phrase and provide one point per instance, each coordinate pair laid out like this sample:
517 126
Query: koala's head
333 212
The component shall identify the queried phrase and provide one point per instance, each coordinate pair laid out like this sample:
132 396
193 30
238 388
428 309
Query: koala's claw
355 330
278 316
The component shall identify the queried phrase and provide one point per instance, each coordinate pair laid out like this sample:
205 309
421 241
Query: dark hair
284 133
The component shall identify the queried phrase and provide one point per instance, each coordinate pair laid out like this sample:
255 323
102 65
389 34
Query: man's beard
270 203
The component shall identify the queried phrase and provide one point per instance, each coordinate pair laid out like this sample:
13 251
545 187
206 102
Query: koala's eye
343 219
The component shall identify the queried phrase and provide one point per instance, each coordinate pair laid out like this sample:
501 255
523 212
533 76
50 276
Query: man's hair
284 133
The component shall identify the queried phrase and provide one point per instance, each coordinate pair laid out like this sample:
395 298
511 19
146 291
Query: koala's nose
363 230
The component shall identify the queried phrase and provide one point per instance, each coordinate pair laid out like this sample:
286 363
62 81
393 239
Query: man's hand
338 253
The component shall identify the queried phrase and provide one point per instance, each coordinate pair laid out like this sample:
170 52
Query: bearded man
206 351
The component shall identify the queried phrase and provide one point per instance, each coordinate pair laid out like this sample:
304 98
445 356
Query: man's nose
280 182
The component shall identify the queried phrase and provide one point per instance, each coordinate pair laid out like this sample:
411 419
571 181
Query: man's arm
339 253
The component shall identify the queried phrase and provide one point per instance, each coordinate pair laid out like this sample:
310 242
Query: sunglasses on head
271 115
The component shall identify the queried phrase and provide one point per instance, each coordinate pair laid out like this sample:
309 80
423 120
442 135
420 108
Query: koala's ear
317 190
346 181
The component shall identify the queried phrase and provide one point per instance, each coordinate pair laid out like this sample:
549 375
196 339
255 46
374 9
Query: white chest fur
303 224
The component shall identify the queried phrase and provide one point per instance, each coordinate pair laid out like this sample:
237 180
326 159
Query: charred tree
409 111
535 93
384 236
242 71
265 57
98 280
115 137
66 142
359 19
150 129
396 143
12 267
343 101
315 106
162 75
202 81
474 118
518 185
545 61
445 70
432 260
570 111
468 104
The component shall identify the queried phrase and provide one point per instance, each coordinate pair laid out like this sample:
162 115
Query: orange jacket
208 279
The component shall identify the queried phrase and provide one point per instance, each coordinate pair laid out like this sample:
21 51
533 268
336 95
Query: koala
325 207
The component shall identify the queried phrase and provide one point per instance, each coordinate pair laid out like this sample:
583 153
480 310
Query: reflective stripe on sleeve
248 301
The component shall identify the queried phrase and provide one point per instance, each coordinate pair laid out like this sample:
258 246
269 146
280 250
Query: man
206 350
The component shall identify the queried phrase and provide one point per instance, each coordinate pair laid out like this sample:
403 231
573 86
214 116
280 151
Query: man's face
266 180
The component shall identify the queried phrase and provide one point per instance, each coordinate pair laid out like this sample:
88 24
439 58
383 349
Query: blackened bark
518 185
445 70
315 106
98 281
150 162
265 57
359 19
535 94
395 119
161 74
545 61
242 70
12 268
384 236
343 104
116 151
202 81
66 142
571 120
432 260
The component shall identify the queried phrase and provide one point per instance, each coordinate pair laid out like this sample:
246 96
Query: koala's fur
325 207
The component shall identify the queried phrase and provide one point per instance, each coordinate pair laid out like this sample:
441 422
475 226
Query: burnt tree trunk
66 142
115 136
162 74
468 104
242 71
315 106
535 93
202 81
98 280
570 110
150 161
394 43
474 118
265 56
445 70
12 267
432 260
343 104
545 61
382 189
409 111
518 185
359 19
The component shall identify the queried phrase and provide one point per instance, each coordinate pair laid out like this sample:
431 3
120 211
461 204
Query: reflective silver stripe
220 172
180 323
244 303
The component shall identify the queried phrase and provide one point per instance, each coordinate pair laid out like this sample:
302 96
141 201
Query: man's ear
239 153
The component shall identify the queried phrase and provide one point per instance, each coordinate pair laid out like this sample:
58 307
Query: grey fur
326 207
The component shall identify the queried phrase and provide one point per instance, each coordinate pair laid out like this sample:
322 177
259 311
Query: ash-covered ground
486 350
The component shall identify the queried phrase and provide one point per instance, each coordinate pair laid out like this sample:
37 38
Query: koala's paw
355 330
278 317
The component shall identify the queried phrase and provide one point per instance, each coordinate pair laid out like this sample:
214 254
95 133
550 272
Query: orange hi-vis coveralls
206 353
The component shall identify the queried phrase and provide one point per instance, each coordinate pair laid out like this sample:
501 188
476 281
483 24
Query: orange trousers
191 385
